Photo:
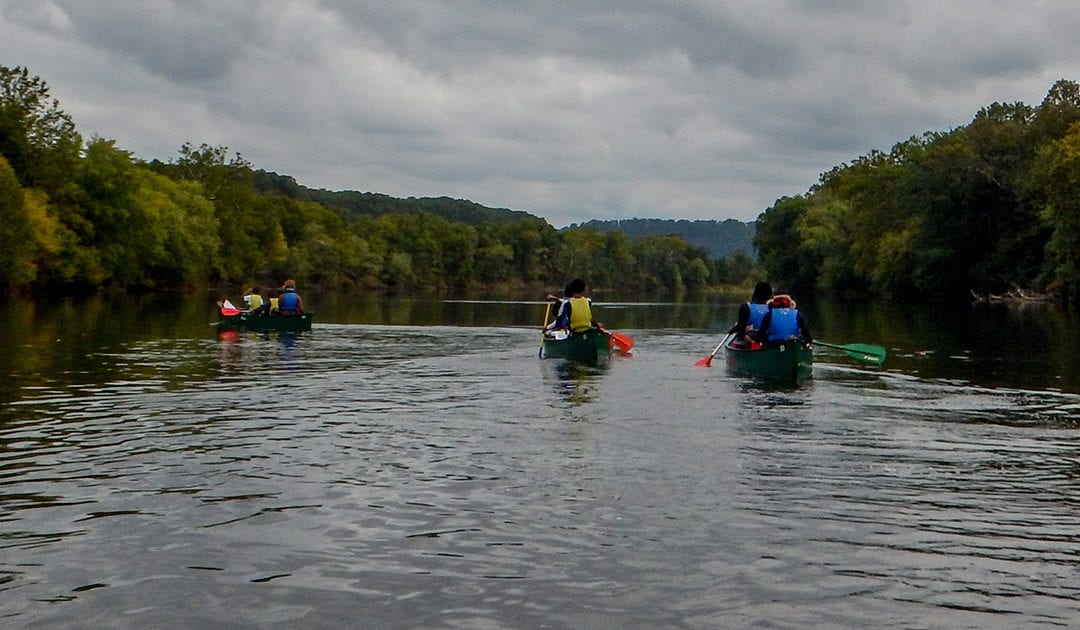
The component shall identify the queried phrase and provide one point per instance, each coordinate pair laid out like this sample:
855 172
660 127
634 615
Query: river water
413 464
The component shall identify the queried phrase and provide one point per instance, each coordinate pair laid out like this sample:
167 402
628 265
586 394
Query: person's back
757 314
783 322
254 300
562 311
580 314
273 297
580 308
752 313
783 325
289 302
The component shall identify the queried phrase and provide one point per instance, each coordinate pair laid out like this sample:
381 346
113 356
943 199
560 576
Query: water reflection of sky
446 475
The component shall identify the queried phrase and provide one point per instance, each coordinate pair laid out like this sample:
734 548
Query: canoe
265 323
591 346
790 361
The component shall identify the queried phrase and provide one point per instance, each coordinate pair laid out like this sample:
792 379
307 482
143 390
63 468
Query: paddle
707 361
624 342
227 308
547 311
860 351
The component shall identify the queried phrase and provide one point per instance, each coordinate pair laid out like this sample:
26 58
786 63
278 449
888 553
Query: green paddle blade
860 351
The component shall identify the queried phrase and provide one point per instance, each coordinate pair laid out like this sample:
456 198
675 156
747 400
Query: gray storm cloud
570 111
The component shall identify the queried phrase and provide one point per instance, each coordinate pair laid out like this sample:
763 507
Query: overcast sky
569 110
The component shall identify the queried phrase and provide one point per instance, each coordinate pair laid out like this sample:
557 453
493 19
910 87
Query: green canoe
790 361
266 323
591 346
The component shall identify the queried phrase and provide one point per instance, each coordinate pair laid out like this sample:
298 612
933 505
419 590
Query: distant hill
377 204
720 238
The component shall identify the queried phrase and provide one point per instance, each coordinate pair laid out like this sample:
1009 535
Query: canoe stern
266 323
790 361
592 346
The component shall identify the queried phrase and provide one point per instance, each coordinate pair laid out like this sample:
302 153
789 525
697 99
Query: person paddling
253 300
289 303
782 322
562 312
751 313
579 308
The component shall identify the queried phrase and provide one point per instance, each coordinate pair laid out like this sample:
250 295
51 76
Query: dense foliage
721 239
983 208
354 203
78 216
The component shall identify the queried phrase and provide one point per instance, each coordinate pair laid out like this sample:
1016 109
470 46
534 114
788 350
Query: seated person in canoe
782 322
254 301
750 315
575 311
561 323
289 302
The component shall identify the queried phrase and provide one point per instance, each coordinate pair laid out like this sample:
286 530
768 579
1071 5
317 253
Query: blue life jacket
757 313
784 324
288 301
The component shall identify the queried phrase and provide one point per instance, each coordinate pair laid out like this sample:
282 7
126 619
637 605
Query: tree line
981 209
721 239
85 216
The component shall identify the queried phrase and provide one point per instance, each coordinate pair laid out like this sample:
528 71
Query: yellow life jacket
580 314
256 301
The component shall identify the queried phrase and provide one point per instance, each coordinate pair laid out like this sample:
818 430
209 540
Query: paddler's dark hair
762 293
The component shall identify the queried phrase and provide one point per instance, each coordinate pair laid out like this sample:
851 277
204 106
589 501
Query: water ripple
447 477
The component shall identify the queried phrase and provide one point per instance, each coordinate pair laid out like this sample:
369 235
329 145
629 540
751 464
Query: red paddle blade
229 312
706 362
624 342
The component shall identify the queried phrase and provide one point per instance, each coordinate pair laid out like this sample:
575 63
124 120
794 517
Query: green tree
329 252
242 229
785 260
494 258
460 243
826 234
16 231
398 270
697 274
36 136
737 269
533 242
659 260
580 255
618 257
48 233
178 235
1059 170
107 184
1058 111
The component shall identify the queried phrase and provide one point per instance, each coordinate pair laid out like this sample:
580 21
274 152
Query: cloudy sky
570 110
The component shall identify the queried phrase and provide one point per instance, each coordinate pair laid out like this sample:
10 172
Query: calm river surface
413 464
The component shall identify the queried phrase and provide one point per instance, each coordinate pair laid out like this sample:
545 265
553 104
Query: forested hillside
983 208
81 216
354 203
720 238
